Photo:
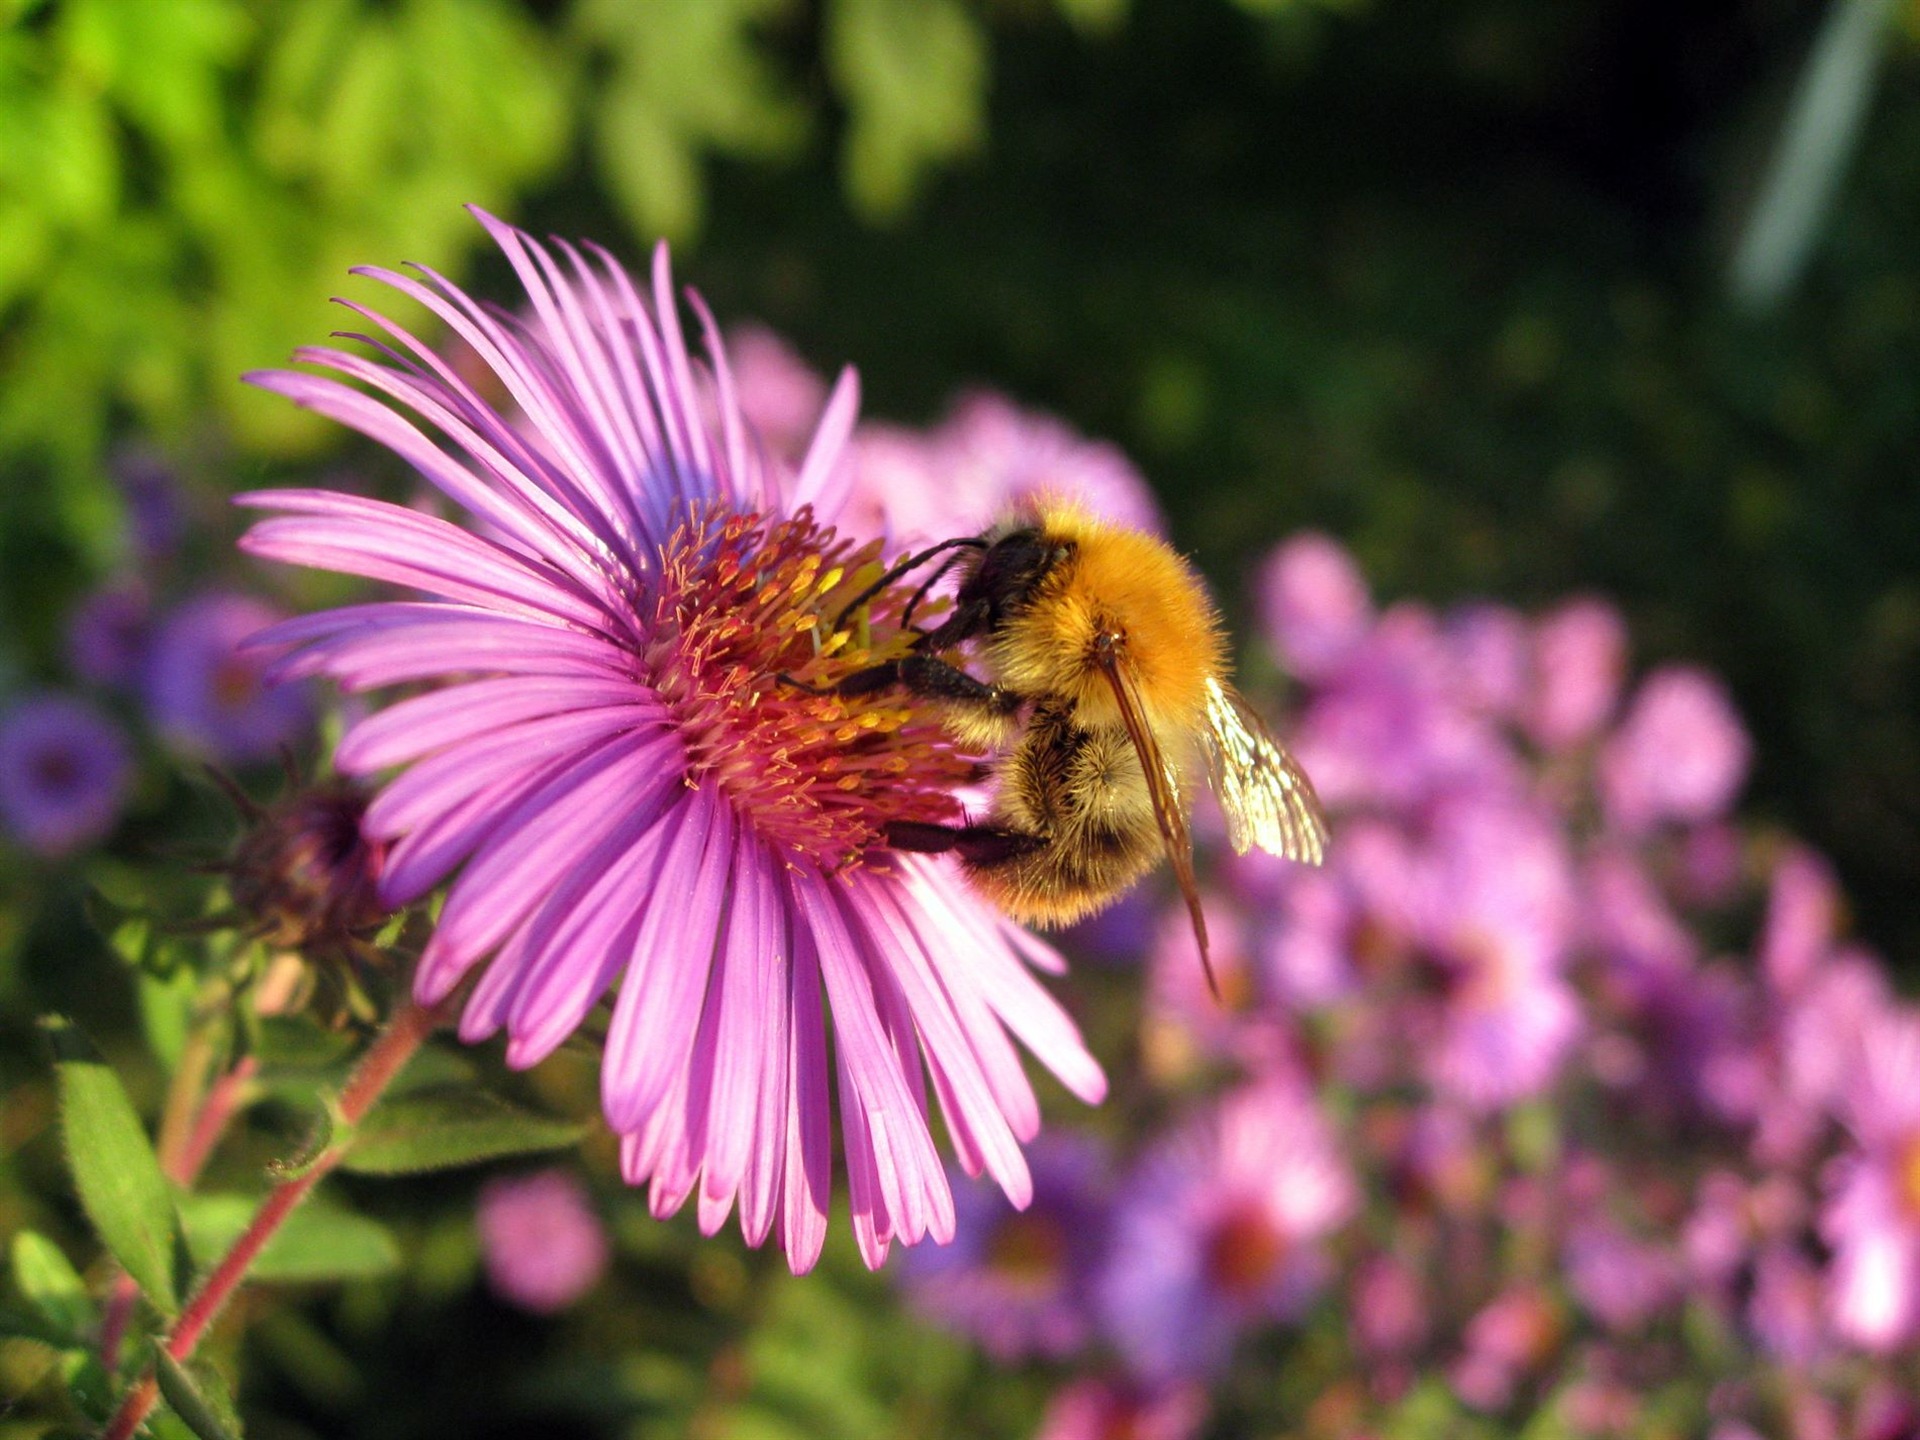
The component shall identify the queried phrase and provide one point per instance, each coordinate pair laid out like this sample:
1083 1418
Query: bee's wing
1164 788
1267 797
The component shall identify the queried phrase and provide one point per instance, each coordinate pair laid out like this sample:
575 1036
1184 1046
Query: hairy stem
405 1032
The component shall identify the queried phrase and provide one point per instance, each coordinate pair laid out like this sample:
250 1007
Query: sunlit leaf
440 1129
319 1241
913 74
114 1168
47 1281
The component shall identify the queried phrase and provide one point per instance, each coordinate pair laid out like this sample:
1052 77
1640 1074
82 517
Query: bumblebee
1104 688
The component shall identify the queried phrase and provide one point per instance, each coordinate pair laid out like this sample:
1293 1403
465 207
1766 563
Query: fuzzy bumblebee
1104 687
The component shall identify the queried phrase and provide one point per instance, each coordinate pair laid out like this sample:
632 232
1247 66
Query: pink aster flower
781 396
624 786
541 1242
1221 1227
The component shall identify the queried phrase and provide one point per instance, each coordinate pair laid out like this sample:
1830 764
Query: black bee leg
932 679
982 845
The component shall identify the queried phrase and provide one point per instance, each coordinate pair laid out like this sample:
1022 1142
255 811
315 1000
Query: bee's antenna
973 542
913 601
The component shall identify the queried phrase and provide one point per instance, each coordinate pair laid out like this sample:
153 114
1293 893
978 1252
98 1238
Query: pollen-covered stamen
740 650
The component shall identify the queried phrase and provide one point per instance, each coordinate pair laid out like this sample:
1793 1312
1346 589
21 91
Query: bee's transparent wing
1267 797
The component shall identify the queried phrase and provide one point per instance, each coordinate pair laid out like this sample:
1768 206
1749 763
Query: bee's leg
933 679
982 845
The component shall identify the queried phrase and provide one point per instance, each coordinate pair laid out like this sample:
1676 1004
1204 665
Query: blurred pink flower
1123 1410
1492 650
1680 754
1220 1225
779 394
1619 1279
1508 1338
1389 727
541 1242
981 461
1579 662
1313 603
1872 1214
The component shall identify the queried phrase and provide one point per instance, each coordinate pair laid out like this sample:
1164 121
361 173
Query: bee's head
1011 570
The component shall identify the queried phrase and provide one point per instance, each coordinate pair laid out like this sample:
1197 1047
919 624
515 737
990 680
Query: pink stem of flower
181 1164
405 1032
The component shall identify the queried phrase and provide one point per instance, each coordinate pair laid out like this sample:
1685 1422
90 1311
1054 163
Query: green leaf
439 1129
319 1241
47 1281
114 1168
166 1012
913 74
200 1399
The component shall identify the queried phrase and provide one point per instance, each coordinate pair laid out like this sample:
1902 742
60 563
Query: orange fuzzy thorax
1125 582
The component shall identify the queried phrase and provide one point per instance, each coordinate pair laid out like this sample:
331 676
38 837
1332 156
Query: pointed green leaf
114 1168
442 1128
199 1398
319 1241
47 1281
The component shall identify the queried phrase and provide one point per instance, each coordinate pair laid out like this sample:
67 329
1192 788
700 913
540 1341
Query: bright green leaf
913 74
199 1398
442 1128
319 1241
47 1281
114 1168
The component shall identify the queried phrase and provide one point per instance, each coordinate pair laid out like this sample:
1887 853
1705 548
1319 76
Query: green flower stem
388 1055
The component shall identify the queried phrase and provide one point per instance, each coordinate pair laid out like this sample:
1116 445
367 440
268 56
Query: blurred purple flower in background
1123 1410
1219 1227
540 1240
65 769
209 695
1017 1280
150 489
108 633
